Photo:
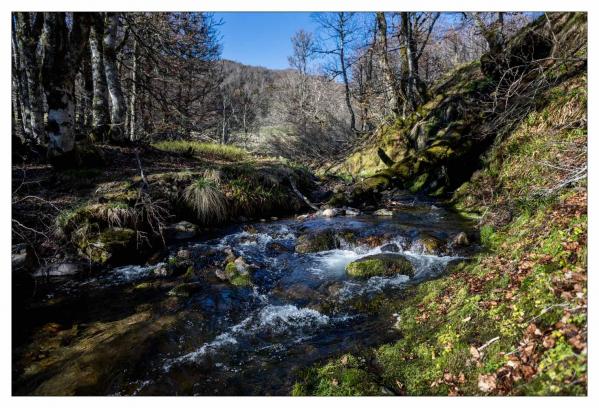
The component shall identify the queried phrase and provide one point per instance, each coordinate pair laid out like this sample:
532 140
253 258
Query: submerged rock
380 265
276 248
317 242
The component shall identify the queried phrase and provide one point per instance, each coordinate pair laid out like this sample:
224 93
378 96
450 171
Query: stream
124 333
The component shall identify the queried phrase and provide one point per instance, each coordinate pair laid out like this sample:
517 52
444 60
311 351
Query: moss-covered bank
513 320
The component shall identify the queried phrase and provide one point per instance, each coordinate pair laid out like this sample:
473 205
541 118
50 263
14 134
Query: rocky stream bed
239 312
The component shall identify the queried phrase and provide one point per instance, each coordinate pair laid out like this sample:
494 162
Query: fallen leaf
487 383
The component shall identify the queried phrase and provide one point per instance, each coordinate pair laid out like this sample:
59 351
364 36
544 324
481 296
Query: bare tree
113 82
341 32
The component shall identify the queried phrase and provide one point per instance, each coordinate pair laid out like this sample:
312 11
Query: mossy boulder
317 242
430 244
112 246
387 264
237 272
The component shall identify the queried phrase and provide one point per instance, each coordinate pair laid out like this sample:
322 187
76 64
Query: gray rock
180 231
330 212
390 248
317 242
61 269
383 212
460 240
351 212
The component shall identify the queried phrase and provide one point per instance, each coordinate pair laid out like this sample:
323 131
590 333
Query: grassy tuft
202 149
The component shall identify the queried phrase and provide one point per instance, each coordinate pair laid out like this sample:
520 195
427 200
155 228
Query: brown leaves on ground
522 363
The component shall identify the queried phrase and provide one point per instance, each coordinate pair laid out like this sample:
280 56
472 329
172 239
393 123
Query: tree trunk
100 119
28 36
20 98
390 79
58 85
117 108
133 96
352 115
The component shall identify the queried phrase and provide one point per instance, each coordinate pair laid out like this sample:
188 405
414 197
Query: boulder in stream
180 231
317 242
383 212
380 265
390 248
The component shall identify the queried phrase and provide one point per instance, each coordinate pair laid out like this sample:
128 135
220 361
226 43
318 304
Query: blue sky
261 38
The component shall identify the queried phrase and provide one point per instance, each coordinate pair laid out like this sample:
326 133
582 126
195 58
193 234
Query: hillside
506 146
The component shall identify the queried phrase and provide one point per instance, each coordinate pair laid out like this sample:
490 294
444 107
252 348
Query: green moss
241 280
380 265
345 376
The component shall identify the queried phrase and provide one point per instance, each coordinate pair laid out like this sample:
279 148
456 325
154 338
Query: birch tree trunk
100 119
58 86
62 54
28 34
113 82
390 79
19 94
133 96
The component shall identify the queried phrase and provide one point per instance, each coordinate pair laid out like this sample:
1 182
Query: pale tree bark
62 54
100 118
28 34
113 82
133 96
390 79
20 98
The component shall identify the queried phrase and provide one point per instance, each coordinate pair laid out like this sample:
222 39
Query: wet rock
180 231
185 289
430 244
276 248
250 229
383 212
317 242
162 270
112 246
352 212
236 272
372 241
61 269
380 265
331 212
297 292
302 217
184 254
347 236
460 240
390 248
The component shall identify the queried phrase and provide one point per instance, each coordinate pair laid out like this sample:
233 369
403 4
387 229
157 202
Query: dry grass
210 150
206 200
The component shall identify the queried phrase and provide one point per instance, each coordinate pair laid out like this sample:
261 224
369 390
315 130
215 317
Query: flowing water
110 334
